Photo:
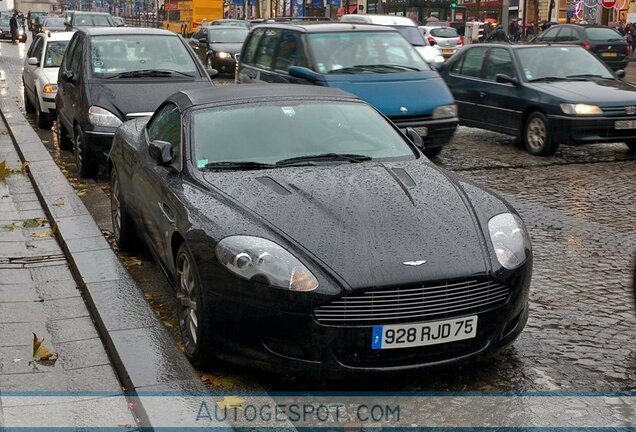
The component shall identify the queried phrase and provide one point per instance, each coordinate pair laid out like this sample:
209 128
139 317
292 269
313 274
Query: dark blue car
375 63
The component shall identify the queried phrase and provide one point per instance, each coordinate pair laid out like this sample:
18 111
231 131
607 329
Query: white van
406 27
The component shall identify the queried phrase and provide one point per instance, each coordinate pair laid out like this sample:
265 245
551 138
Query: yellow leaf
58 202
218 381
40 353
4 171
171 323
42 234
81 192
230 402
9 227
180 346
34 223
132 261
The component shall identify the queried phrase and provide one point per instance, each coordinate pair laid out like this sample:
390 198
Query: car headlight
510 240
223 55
580 109
20 31
264 261
445 111
101 117
49 88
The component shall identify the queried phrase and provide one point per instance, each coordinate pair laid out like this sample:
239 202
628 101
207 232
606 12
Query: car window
54 53
549 35
444 32
290 52
265 51
235 35
498 61
165 125
118 53
541 62
282 130
473 62
78 55
37 43
565 35
92 21
602 34
199 34
252 45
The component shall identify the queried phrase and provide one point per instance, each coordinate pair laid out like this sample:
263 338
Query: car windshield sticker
201 163
528 74
288 111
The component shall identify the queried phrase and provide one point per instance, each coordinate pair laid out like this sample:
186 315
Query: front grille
131 116
621 110
404 121
411 304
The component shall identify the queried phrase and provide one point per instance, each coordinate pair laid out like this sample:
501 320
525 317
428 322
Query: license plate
421 334
625 124
609 54
447 51
421 131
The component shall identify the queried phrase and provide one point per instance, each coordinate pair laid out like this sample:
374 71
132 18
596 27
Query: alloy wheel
115 206
79 157
187 296
536 134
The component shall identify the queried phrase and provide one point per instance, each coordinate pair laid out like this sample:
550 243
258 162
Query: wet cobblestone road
579 206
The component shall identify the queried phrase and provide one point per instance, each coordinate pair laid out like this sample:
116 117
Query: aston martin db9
302 231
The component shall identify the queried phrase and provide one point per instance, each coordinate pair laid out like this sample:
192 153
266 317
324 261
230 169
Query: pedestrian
629 36
513 31
13 26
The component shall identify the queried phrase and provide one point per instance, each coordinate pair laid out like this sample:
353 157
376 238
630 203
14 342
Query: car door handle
482 94
167 211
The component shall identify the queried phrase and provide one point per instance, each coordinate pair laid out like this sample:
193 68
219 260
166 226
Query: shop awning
352 9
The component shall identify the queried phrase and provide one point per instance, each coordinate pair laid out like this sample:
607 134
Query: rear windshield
54 53
53 22
93 21
444 32
603 34
237 35
411 34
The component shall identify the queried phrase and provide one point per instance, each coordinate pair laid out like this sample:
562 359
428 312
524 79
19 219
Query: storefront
418 11
488 10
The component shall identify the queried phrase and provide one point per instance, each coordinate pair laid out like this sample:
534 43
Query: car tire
63 140
41 119
84 158
536 135
432 152
631 145
194 318
123 225
28 106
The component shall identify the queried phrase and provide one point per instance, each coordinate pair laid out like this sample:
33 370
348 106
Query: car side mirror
68 76
303 73
415 138
203 41
212 73
33 61
161 152
505 79
620 74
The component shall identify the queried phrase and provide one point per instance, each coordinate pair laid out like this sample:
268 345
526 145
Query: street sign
609 3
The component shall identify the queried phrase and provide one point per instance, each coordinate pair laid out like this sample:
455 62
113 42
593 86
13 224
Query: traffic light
453 4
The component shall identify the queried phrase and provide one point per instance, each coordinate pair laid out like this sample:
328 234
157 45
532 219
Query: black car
546 95
5 29
303 231
608 44
80 19
48 24
32 18
109 75
216 46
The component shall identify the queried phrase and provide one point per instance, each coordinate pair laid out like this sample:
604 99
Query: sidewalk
39 295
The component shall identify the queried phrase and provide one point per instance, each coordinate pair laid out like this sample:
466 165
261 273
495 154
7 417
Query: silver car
445 38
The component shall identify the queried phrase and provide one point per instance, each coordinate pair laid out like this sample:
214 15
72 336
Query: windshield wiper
375 68
586 76
347 157
548 79
150 73
240 165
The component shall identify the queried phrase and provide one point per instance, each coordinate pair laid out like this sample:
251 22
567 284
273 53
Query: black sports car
302 230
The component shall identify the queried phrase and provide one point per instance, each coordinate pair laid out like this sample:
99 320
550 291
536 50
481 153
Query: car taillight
586 45
431 40
461 41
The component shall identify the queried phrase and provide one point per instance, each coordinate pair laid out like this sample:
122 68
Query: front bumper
224 66
253 328
438 132
99 139
588 130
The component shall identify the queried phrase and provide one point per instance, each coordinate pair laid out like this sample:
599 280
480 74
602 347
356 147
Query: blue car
373 62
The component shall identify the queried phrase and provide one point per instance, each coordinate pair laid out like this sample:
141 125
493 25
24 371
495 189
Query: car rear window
602 34
444 32
53 22
93 21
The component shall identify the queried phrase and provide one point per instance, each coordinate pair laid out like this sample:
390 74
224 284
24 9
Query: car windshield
53 22
85 20
411 34
444 32
363 52
602 34
280 132
237 35
559 62
4 22
54 53
123 55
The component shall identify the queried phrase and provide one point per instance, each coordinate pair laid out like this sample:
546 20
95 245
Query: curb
143 353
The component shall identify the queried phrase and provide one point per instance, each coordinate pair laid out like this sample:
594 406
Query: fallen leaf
218 381
4 171
42 234
230 402
40 352
171 323
35 223
180 346
16 360
58 202
132 261
9 227
81 192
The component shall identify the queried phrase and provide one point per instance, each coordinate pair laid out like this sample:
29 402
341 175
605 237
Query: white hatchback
39 76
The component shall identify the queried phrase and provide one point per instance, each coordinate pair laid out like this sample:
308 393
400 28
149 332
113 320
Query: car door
154 184
464 80
290 52
500 104
198 48
36 50
548 36
68 79
264 57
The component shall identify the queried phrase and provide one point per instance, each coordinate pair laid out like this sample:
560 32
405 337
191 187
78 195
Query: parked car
31 17
39 75
89 19
230 22
545 95
48 24
446 38
109 75
374 62
407 28
217 46
119 21
5 29
605 42
419 267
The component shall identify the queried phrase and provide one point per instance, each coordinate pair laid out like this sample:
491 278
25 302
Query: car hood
603 91
124 96
231 48
364 222
418 92
50 74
